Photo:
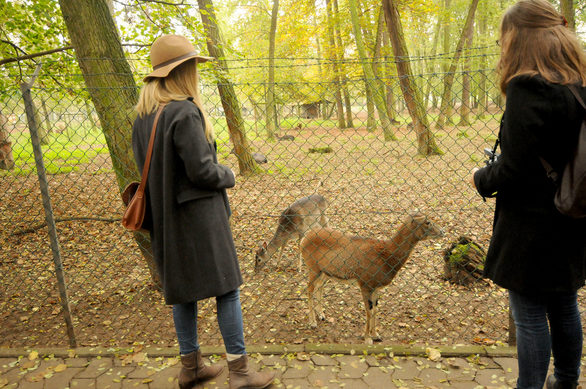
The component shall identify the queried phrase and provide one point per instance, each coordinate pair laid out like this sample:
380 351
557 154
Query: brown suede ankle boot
194 370
241 377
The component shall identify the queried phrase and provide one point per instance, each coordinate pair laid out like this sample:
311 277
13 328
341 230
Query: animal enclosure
370 185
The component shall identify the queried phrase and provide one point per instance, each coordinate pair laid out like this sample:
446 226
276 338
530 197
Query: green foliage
65 152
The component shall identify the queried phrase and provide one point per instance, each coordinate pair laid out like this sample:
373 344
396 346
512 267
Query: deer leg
369 308
373 333
313 277
321 281
323 220
299 266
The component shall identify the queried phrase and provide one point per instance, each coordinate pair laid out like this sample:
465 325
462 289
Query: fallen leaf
61 367
33 355
433 354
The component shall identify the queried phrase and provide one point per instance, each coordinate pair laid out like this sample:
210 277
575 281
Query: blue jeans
229 319
536 339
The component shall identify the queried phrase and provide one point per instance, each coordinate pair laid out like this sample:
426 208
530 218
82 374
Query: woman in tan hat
188 211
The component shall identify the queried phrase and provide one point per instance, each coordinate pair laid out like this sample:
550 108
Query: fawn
304 214
372 263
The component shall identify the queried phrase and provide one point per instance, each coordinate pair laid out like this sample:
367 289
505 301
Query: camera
492 156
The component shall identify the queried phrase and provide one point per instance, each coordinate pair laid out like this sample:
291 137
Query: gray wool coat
187 206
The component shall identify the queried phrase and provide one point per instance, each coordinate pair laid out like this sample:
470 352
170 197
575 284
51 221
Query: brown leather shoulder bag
133 195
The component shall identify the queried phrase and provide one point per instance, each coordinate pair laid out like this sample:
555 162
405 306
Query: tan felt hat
170 51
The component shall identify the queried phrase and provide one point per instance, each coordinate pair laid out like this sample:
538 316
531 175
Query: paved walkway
297 367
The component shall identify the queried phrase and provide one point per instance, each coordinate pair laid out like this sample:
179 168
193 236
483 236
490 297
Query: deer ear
264 244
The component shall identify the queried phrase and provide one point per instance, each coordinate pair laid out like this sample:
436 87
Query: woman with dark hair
188 210
535 252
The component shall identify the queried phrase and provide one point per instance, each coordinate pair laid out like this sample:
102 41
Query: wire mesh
325 139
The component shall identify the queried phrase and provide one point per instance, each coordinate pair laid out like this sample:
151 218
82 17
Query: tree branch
31 56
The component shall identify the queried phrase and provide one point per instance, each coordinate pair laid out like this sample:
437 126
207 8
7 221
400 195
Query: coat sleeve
526 113
197 154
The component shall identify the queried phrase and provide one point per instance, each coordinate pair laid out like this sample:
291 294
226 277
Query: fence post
25 88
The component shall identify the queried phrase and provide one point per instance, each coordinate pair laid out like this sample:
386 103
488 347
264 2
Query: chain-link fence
328 140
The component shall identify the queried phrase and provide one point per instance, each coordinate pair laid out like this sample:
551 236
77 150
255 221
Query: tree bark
246 162
335 66
425 140
6 158
112 89
46 123
567 9
446 105
378 88
343 77
271 111
465 107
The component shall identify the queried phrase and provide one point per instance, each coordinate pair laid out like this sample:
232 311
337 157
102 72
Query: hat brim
165 70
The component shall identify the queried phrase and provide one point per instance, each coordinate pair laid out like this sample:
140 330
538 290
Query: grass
63 153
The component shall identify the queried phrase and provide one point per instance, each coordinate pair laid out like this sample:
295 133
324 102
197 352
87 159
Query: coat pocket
194 194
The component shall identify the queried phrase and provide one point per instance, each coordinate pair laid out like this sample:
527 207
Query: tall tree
333 54
271 109
6 158
425 141
246 162
465 107
109 80
343 77
446 105
378 88
567 9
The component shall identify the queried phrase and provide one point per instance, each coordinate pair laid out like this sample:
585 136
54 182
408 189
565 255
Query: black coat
187 208
534 249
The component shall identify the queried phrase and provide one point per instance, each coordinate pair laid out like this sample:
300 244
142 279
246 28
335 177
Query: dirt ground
370 185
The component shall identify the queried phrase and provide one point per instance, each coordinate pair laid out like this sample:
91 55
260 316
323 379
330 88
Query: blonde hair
181 83
535 41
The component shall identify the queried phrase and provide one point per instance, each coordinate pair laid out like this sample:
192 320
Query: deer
372 263
306 213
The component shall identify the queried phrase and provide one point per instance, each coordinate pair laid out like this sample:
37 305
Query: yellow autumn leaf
61 367
433 354
33 355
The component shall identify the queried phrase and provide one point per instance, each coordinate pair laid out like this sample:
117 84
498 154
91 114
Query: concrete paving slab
298 369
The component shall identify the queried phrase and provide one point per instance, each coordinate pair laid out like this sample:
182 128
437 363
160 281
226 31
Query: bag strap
147 162
552 174
576 94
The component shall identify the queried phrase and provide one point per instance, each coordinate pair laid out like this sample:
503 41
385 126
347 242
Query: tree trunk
271 111
46 123
343 77
246 162
431 64
483 90
336 67
425 141
378 88
567 9
446 106
111 85
465 107
6 158
317 42
447 38
388 72
370 115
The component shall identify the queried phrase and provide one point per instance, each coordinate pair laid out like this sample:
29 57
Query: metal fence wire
429 291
